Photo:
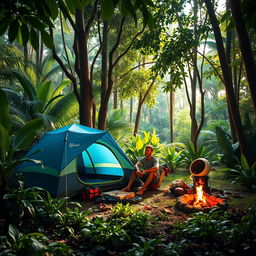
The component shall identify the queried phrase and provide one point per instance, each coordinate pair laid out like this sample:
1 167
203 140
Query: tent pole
65 159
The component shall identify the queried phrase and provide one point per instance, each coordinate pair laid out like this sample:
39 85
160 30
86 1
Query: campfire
201 201
198 199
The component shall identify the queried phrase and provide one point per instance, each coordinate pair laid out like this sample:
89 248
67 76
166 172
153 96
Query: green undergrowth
36 224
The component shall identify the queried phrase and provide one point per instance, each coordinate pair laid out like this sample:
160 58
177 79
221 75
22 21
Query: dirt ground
160 203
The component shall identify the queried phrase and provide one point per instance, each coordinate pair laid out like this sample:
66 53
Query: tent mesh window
98 164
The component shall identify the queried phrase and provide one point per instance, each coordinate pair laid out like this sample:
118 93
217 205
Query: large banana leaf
44 94
60 87
223 141
4 143
27 86
26 134
65 110
45 91
5 119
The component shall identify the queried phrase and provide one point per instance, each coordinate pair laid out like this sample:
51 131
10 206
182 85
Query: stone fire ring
182 203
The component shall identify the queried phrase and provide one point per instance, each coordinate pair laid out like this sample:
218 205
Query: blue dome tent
75 157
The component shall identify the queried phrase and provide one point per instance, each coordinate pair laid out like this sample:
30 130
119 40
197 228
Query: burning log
200 201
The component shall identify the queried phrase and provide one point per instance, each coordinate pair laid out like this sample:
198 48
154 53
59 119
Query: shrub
20 204
135 146
189 154
17 243
172 158
244 174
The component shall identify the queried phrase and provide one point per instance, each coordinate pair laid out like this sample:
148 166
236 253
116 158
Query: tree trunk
111 64
194 81
228 81
131 109
104 79
193 105
121 104
228 56
94 114
138 115
202 93
115 99
245 47
142 99
86 95
41 52
171 113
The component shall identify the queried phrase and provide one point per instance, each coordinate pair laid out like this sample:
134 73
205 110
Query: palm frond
65 110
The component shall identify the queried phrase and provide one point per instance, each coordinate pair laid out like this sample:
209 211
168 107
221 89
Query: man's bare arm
137 165
152 169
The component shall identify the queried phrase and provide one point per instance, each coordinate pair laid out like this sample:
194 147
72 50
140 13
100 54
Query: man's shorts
155 179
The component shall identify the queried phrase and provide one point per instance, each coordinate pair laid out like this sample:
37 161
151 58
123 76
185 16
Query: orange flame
200 198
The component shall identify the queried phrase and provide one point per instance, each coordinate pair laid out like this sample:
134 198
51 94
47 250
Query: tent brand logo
72 145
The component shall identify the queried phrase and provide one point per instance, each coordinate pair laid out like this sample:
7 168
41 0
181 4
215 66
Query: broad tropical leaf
27 86
4 143
25 135
5 119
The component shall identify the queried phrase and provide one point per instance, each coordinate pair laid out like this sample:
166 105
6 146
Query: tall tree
113 60
175 48
231 100
23 18
245 47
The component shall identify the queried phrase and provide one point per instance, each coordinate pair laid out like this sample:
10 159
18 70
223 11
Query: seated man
150 173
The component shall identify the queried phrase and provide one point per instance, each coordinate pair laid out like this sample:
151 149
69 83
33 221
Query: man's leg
147 182
132 179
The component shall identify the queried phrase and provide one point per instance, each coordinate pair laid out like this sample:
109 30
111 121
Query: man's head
149 150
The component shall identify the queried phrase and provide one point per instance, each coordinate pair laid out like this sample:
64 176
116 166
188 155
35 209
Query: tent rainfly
75 157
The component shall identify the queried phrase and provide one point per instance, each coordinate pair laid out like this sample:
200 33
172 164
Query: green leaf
148 3
53 8
65 26
4 24
223 141
24 33
13 30
27 86
147 17
107 9
19 37
61 86
35 22
5 119
65 110
50 102
123 9
13 232
86 2
36 233
28 206
47 39
26 134
131 9
4 143
44 91
253 167
37 246
71 6
78 4
34 40
244 163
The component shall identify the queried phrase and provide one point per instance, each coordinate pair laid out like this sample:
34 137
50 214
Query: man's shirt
146 163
